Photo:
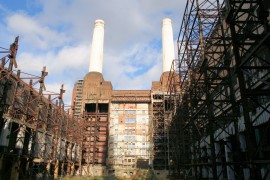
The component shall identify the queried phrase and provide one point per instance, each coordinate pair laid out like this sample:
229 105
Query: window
90 107
129 130
129 138
126 130
143 121
143 130
130 111
143 151
103 108
116 138
130 120
129 160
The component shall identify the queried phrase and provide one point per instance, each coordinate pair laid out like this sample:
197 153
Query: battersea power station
208 117
124 129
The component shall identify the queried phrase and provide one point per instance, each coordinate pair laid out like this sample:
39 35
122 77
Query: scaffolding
39 139
222 99
95 136
159 134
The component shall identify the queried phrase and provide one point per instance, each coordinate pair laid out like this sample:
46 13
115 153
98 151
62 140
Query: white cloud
56 62
54 88
126 22
59 33
133 69
33 32
64 67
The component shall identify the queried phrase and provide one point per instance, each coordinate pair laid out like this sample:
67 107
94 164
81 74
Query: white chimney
167 44
96 57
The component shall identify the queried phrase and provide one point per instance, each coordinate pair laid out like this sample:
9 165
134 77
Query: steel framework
38 138
95 137
160 131
221 117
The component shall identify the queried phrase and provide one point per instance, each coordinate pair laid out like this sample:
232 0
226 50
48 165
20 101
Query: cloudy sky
58 34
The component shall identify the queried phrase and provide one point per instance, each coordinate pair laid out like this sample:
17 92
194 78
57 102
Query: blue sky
58 34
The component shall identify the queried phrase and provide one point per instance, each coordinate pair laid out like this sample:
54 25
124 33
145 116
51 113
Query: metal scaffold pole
223 109
38 138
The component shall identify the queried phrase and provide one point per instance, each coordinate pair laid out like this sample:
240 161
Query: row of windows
129 130
129 160
133 120
130 138
131 111
130 120
130 152
130 145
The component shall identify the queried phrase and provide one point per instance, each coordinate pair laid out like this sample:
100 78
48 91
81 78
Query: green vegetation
144 175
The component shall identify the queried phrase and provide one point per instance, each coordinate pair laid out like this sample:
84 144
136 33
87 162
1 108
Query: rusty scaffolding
221 118
160 151
39 139
95 136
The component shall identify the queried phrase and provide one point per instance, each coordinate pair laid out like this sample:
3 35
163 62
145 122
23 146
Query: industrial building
106 131
123 129
221 107
39 139
207 118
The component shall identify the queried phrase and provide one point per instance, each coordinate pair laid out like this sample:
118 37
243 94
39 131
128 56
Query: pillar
96 56
167 44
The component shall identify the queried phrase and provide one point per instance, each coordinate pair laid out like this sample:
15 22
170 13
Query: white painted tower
167 44
96 57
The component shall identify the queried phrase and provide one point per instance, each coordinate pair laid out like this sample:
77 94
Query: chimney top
99 22
96 56
167 44
166 20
